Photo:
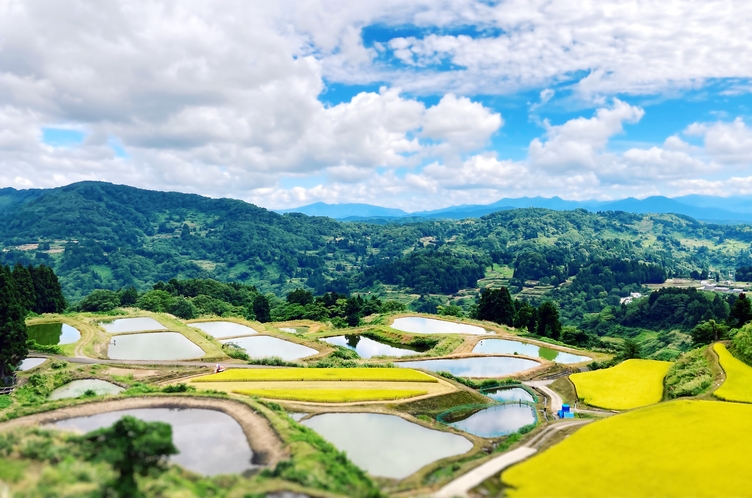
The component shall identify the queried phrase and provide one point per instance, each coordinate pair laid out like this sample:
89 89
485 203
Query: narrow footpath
164 363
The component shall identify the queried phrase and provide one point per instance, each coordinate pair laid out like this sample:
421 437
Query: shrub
690 375
234 351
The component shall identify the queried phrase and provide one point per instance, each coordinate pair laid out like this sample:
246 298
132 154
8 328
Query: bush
43 348
742 345
690 375
234 351
179 388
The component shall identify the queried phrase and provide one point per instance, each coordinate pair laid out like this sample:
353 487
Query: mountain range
736 209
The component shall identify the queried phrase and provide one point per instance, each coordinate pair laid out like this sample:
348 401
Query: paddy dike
265 443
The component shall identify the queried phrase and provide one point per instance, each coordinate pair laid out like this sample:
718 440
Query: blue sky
415 104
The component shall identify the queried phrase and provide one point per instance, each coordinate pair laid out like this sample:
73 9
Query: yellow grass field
630 384
738 383
318 374
680 448
332 395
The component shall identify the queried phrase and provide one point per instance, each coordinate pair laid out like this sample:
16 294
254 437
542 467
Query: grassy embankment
690 375
738 383
631 384
675 449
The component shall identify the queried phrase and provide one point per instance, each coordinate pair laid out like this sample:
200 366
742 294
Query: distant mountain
342 211
704 208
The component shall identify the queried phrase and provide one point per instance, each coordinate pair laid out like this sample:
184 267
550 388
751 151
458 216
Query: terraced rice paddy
319 374
332 395
675 449
331 385
738 383
631 384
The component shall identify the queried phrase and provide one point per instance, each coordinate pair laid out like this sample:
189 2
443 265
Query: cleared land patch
738 383
319 374
332 395
630 384
674 449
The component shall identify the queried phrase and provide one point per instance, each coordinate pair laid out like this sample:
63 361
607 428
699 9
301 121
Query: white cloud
727 142
462 124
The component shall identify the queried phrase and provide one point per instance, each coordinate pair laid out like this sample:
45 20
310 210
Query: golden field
332 395
682 448
318 374
630 384
738 383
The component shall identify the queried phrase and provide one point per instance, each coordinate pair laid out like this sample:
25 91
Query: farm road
93 361
463 484
542 385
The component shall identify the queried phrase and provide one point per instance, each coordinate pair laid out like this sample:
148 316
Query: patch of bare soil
135 372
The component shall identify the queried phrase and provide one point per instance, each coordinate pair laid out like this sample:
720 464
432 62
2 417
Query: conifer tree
47 287
12 327
27 296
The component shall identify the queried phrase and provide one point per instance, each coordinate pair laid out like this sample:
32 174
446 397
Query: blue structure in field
565 412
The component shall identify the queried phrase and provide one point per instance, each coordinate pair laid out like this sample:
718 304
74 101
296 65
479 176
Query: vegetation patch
437 404
333 395
738 383
319 374
645 452
631 384
690 375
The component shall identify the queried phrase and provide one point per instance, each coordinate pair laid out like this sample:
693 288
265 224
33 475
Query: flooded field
210 442
153 346
79 387
486 366
53 333
386 445
496 421
420 325
503 346
140 324
224 329
265 347
367 347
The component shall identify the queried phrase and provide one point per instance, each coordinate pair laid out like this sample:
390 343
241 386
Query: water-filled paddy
265 347
497 421
140 324
386 445
78 387
510 394
294 330
503 346
30 363
224 329
53 333
486 366
367 347
420 325
210 442
154 346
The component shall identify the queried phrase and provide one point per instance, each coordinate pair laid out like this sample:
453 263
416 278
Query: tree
548 321
13 335
629 349
129 296
47 289
183 308
132 447
24 283
526 316
300 296
261 308
100 300
707 332
496 305
741 311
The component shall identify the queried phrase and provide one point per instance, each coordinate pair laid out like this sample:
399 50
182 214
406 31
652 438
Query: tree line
24 290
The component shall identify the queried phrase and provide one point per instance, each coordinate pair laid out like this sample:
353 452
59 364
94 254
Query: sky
413 104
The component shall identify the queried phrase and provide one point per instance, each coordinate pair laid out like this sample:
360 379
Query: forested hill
99 235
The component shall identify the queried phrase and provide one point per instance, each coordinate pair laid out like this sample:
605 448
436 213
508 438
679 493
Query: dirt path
94 361
553 396
463 484
267 446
